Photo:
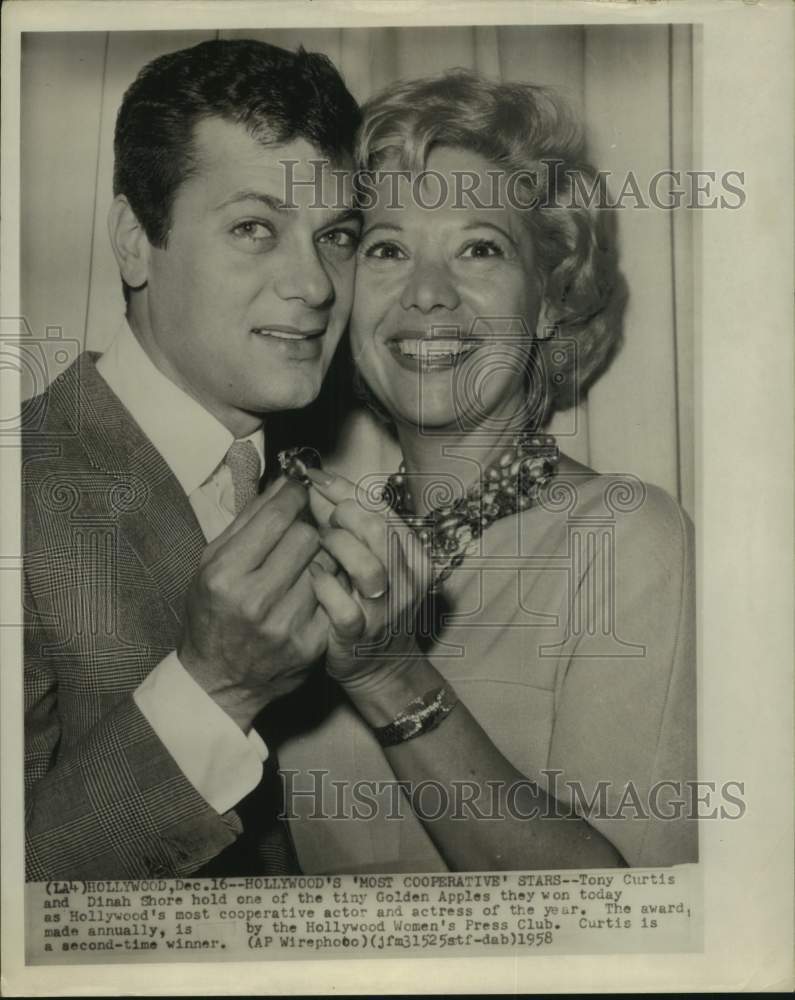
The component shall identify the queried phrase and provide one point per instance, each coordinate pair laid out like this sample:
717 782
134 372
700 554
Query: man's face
244 306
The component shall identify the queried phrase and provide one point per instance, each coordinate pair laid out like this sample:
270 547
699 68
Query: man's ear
129 241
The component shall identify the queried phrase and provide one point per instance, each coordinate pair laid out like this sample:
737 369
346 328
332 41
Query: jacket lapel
154 515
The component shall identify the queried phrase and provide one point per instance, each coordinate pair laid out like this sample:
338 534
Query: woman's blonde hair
530 132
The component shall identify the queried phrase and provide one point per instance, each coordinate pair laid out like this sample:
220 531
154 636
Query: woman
516 643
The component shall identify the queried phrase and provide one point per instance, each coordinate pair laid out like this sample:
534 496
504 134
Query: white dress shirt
219 760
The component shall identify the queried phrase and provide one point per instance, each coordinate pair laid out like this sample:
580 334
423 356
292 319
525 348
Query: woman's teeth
435 350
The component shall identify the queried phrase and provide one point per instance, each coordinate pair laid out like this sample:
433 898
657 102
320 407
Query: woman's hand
372 631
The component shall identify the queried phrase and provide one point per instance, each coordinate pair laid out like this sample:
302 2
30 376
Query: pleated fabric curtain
631 84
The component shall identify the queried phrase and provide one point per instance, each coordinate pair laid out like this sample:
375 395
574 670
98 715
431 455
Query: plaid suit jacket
110 545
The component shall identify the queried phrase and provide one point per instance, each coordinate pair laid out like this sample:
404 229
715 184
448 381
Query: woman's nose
430 286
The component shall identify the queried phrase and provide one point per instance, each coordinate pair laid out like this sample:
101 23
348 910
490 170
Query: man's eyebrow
345 214
250 195
276 205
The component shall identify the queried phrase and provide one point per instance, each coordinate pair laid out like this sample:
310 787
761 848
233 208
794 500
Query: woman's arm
390 571
475 781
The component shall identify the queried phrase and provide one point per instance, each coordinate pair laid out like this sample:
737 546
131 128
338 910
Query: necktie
243 462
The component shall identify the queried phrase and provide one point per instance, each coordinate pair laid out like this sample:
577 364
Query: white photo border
744 389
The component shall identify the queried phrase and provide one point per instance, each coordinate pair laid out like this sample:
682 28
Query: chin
294 393
437 412
431 418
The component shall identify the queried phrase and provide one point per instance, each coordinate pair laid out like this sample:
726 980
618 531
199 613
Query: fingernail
377 595
320 477
316 570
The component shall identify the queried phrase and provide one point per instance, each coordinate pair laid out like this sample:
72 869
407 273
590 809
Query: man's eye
385 251
344 239
253 230
482 249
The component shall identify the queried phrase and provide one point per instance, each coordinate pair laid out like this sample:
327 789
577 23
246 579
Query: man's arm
221 762
114 804
113 801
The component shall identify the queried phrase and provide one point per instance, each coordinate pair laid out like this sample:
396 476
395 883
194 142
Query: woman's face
447 298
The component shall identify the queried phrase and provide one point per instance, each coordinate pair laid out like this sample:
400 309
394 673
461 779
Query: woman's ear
546 327
129 241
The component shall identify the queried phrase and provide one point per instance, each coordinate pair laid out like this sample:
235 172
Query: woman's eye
253 230
384 251
483 249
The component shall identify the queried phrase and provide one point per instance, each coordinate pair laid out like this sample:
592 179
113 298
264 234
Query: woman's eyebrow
490 225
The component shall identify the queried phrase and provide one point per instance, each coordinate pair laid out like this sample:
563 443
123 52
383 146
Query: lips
290 333
290 344
420 353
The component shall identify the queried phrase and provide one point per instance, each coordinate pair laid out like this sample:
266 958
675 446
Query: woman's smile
419 353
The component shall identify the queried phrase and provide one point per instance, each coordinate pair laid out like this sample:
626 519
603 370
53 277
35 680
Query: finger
269 494
331 486
298 614
261 526
383 533
315 633
346 616
327 561
367 573
321 508
284 564
341 491
378 531
371 529
273 487
252 507
298 604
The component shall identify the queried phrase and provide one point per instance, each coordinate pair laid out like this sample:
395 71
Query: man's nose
306 278
430 286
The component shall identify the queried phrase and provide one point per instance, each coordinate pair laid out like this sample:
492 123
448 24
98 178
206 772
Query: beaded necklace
510 485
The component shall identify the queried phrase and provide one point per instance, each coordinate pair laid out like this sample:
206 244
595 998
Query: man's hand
253 626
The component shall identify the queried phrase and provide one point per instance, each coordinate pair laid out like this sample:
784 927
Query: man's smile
282 332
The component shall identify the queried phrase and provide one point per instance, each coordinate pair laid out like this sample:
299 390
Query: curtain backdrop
631 84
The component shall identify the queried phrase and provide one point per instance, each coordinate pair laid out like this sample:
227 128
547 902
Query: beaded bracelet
418 717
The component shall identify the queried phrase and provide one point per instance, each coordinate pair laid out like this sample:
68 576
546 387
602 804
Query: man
167 602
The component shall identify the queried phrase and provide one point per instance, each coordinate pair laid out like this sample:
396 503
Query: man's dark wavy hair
277 95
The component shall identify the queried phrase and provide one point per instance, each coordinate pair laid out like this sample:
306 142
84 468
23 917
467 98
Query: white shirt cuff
212 751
